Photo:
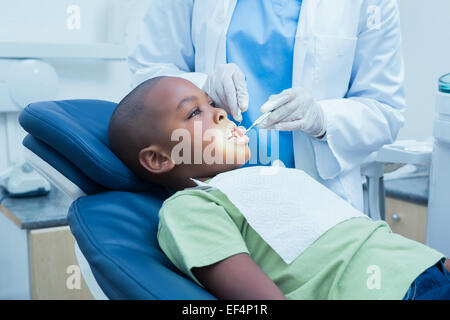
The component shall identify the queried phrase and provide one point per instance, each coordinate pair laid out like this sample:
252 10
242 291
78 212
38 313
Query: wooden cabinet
407 218
54 270
38 263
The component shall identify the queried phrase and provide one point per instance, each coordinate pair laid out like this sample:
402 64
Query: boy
208 238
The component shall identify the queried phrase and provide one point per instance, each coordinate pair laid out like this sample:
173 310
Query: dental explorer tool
259 120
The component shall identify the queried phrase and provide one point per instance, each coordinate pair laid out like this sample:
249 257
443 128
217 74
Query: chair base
74 192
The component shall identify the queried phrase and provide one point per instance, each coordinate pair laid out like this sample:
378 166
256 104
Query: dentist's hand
228 88
294 109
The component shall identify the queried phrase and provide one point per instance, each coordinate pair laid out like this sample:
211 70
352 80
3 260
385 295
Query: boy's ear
155 160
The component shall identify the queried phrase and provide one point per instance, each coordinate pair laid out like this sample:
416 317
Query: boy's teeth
232 134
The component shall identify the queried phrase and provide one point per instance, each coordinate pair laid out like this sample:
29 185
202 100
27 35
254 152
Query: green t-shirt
356 259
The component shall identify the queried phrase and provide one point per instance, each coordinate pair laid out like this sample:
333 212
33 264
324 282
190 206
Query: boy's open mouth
236 134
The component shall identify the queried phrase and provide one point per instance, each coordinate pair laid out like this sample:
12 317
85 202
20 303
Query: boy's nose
219 115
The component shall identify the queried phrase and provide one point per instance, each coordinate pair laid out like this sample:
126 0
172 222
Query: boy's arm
238 278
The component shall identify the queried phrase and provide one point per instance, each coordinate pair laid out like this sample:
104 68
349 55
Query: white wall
46 21
426 43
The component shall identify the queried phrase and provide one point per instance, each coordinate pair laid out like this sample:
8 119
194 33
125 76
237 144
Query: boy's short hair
125 138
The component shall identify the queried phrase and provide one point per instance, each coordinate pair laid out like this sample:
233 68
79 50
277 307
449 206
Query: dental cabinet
37 255
407 218
407 206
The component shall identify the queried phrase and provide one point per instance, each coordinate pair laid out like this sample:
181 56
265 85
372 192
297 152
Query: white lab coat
347 54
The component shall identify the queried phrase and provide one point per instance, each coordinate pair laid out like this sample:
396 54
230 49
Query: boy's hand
228 89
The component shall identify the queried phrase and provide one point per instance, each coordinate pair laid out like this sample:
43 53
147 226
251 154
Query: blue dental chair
114 216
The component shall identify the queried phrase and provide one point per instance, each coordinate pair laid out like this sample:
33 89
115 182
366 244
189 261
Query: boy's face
197 135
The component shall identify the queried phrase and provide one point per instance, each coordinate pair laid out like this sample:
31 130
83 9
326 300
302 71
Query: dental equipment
259 120
438 219
24 181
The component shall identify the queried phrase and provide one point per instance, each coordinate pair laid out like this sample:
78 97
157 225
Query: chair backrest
59 163
117 231
116 225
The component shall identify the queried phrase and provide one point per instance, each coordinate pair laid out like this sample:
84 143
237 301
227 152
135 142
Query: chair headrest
78 131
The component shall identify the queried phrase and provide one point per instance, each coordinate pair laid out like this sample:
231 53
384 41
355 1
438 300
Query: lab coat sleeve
371 114
165 45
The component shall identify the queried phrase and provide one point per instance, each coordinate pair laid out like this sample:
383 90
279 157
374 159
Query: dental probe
258 121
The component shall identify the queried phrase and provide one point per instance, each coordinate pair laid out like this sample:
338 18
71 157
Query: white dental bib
286 207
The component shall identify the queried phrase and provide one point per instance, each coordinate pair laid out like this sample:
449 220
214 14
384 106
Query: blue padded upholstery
62 165
116 231
78 130
116 225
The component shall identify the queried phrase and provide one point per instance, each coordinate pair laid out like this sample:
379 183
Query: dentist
332 71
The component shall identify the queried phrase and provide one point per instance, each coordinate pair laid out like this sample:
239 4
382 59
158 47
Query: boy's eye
195 112
212 103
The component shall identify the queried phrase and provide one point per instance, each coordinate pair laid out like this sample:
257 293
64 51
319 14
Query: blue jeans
432 284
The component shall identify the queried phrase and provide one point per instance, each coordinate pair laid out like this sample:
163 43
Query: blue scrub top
260 40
